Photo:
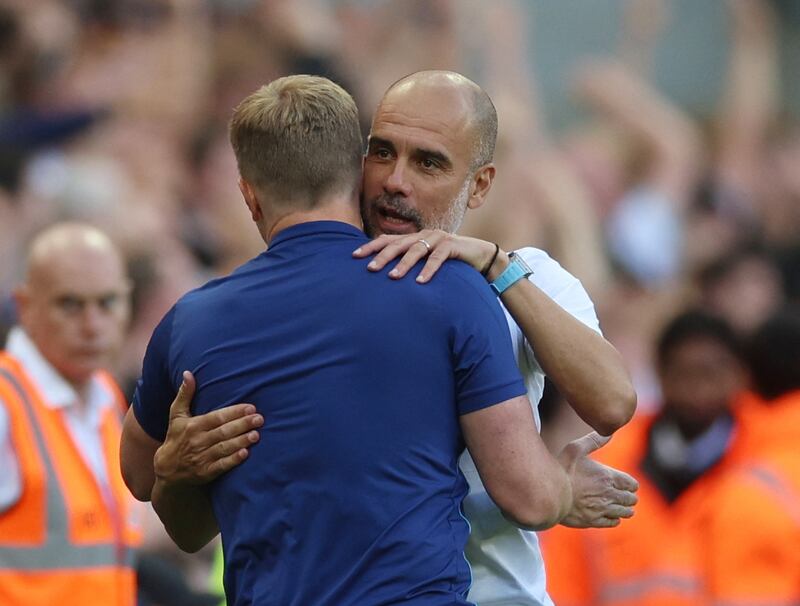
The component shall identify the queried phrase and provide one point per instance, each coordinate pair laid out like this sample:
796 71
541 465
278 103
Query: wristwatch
517 270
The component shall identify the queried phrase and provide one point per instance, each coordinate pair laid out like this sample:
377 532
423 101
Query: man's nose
93 319
396 181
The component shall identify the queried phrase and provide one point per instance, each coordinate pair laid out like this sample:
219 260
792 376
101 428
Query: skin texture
417 170
74 303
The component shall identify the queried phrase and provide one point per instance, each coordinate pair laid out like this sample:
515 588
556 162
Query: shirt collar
314 228
57 392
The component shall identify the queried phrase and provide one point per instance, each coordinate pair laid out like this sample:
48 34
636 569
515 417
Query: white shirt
507 566
83 422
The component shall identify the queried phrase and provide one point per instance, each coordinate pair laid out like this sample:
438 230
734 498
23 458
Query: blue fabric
353 494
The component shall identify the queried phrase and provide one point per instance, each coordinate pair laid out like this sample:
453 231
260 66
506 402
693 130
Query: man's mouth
394 220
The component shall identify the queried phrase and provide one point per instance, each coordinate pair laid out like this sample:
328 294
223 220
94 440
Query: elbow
188 544
617 411
138 485
541 509
139 490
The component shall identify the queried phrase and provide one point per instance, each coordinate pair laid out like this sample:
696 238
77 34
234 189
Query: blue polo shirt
353 494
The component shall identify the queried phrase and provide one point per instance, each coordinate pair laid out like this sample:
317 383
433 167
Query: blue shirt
353 494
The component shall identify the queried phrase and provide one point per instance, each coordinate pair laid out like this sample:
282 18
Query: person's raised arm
750 98
642 111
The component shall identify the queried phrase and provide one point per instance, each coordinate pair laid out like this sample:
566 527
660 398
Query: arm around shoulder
557 318
136 453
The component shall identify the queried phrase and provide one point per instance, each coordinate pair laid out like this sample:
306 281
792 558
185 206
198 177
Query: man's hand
441 246
198 449
601 495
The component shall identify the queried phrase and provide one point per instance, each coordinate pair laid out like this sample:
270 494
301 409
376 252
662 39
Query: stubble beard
449 221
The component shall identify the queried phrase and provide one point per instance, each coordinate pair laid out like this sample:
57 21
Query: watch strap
517 270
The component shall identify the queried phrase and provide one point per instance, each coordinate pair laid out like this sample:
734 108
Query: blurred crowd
115 112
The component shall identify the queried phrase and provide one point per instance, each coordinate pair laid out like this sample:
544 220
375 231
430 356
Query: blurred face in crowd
747 294
700 377
75 302
418 169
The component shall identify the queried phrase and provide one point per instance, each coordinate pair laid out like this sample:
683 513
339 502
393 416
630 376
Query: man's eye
382 153
428 163
108 302
69 305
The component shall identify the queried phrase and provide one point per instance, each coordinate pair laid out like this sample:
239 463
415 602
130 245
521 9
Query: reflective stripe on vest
57 552
640 585
770 479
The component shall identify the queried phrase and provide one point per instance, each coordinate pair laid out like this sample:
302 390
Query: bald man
66 535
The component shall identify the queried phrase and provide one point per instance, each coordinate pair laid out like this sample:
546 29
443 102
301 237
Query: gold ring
428 246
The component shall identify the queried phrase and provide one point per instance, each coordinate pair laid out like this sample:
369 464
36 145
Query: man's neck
336 208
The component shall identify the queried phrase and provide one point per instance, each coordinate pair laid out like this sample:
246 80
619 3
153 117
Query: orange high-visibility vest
754 533
68 540
656 558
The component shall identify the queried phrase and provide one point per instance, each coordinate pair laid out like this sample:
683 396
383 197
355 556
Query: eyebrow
373 141
419 152
435 155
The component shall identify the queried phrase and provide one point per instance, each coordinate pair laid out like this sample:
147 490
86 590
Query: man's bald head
481 113
74 302
64 243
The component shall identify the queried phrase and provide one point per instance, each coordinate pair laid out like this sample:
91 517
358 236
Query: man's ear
481 184
251 199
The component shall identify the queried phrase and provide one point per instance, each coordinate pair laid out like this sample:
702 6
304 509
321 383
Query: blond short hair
298 139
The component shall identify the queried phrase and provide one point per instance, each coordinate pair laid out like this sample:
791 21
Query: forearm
587 369
559 499
670 136
186 513
750 98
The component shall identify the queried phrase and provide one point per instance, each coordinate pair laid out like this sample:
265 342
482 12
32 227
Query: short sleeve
155 389
563 288
485 370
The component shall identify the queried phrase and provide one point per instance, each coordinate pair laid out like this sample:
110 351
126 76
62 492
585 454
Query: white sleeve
10 480
562 287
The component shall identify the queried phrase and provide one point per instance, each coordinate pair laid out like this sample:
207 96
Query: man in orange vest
753 538
66 535
658 558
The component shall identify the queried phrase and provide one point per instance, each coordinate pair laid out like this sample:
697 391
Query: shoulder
463 287
223 286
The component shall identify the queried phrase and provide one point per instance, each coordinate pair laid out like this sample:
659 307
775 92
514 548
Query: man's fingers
229 447
432 265
623 481
233 428
389 252
414 254
181 405
224 464
623 497
217 418
375 245
588 443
